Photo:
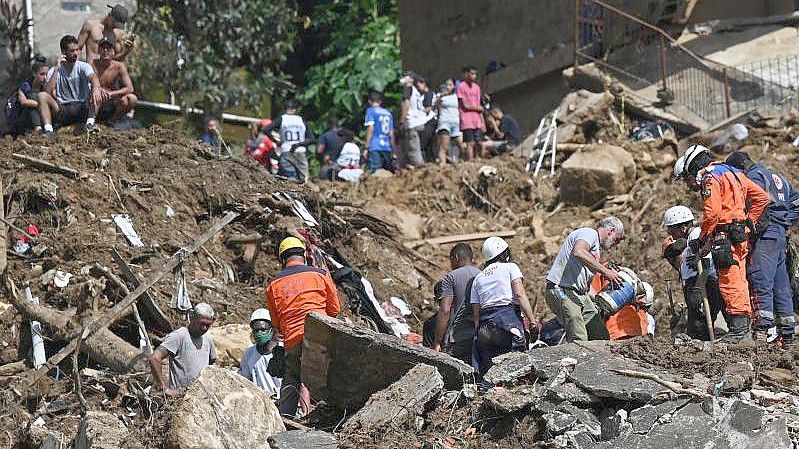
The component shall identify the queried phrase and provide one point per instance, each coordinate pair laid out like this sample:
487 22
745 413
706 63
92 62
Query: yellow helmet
290 243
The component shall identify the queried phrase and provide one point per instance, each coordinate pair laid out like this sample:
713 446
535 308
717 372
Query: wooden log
460 238
47 166
99 323
159 321
12 369
244 238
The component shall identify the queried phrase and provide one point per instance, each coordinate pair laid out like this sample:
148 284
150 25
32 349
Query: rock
734 425
100 430
231 340
642 419
595 172
509 368
402 400
303 439
585 419
382 174
568 392
40 437
737 377
559 422
221 410
582 106
408 223
345 365
507 401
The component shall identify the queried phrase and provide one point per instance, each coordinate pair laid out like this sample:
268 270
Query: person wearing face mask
256 358
569 279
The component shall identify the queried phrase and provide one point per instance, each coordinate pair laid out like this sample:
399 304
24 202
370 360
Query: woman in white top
448 121
498 300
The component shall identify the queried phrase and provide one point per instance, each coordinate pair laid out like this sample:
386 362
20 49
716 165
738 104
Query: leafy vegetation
14 34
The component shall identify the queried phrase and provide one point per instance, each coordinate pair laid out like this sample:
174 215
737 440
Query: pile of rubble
152 219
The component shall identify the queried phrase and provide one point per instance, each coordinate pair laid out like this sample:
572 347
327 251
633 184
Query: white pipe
166 107
29 16
37 341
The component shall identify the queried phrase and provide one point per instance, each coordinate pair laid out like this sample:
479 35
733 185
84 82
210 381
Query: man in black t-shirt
329 145
507 133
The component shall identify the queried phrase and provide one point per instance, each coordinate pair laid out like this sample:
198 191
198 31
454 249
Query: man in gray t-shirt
189 350
454 323
72 92
569 279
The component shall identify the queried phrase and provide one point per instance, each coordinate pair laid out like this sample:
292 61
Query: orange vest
628 322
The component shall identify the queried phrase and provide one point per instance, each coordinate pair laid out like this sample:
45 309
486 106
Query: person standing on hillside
295 292
111 26
115 84
449 126
454 323
414 116
471 111
380 142
295 136
569 279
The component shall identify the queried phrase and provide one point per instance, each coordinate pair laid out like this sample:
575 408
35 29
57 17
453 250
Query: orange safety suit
630 321
726 192
294 293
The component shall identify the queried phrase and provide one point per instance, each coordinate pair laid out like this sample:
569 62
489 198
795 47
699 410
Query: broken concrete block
594 172
507 401
585 419
642 419
559 422
402 400
568 392
509 368
303 439
344 365
100 430
221 410
231 340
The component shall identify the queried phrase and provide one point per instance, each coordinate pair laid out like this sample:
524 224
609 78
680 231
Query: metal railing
647 58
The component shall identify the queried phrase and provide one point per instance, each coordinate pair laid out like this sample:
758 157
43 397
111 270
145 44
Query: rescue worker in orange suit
631 320
290 296
731 203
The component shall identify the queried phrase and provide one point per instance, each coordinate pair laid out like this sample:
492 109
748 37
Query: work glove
696 245
277 364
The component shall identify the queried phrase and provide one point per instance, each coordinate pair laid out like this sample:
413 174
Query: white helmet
677 215
679 167
690 154
260 314
493 247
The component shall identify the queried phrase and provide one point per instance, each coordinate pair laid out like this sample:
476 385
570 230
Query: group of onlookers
87 83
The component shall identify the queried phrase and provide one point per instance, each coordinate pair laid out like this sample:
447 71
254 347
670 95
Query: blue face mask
263 337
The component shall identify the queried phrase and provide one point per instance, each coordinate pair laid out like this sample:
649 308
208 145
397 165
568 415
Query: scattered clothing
188 356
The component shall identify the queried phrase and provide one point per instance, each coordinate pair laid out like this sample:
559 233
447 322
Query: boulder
41 437
583 106
222 410
100 430
303 439
595 172
399 402
231 340
345 365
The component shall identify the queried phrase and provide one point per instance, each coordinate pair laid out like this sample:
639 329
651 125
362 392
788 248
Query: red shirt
469 93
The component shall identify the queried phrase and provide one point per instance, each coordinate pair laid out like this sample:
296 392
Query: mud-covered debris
507 401
400 402
101 430
303 439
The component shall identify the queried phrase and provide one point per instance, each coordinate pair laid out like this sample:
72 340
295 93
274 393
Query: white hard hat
493 247
690 154
677 215
260 314
679 167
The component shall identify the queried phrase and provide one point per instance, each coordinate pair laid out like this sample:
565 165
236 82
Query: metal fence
648 59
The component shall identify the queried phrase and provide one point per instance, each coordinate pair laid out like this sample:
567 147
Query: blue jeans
770 286
380 159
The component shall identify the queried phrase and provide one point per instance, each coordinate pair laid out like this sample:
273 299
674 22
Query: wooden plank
100 322
160 321
461 238
47 166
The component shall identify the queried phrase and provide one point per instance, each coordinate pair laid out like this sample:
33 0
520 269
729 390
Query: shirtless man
111 26
116 88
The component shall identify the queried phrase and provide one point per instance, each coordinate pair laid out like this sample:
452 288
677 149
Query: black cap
739 159
120 15
107 41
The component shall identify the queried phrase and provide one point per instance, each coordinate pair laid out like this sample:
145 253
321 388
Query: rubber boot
739 330
787 341
760 336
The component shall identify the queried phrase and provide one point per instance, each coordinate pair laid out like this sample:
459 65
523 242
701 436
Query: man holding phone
68 98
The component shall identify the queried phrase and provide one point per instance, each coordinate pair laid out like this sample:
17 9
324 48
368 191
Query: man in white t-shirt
295 137
414 115
569 279
255 362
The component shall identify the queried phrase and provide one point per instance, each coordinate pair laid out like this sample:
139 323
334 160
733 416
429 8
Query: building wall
720 9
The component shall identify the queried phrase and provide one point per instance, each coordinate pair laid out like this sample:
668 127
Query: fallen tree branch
474 191
161 322
100 322
18 229
674 387
47 166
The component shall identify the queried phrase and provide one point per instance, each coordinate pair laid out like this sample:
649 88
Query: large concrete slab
345 365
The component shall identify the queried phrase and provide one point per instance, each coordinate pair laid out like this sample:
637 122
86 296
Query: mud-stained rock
303 439
507 401
222 410
595 172
100 430
399 402
509 368
231 340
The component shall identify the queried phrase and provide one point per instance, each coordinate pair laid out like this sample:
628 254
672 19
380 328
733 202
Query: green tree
361 56
14 34
214 54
